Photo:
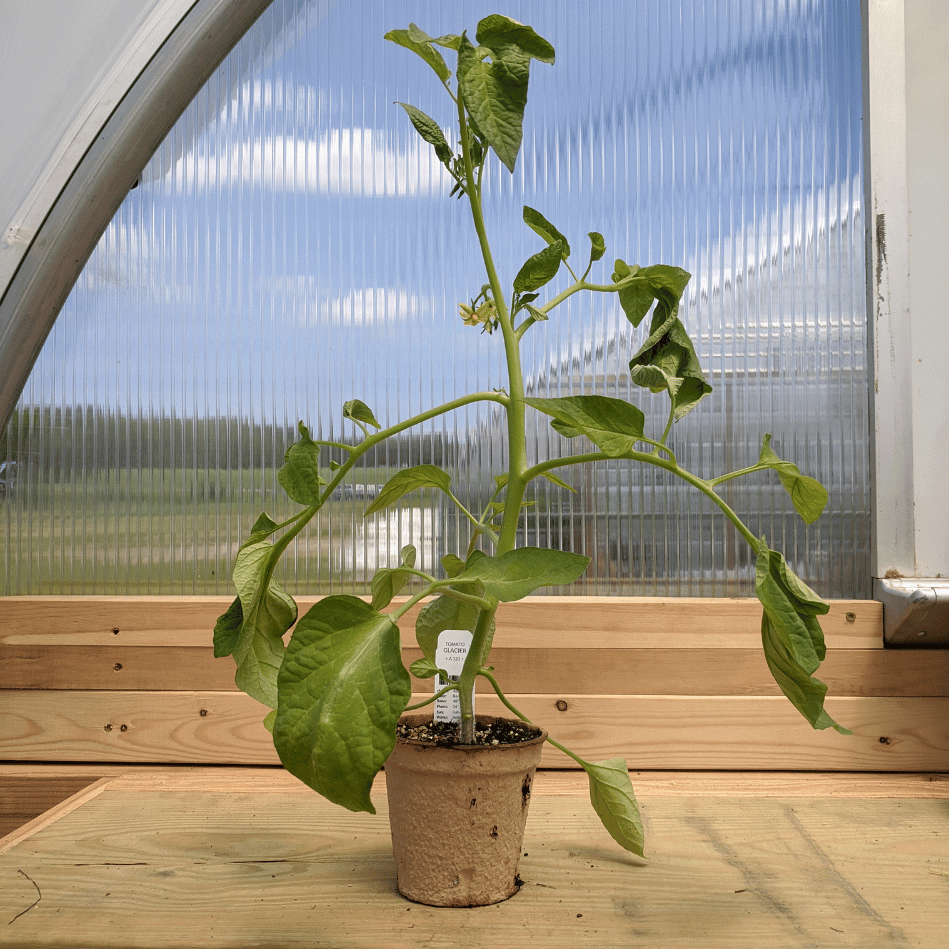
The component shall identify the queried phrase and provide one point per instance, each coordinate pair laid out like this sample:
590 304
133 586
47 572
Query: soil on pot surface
498 732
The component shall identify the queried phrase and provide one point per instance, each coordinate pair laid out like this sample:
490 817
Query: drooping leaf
410 479
253 627
667 360
612 425
411 39
300 475
429 129
359 412
791 635
227 629
519 572
635 298
539 269
613 799
259 652
341 689
493 77
659 282
597 246
808 495
539 315
388 581
540 225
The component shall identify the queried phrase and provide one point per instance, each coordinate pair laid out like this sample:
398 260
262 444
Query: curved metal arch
103 176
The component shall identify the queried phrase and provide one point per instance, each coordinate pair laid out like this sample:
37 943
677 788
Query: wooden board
206 860
26 796
608 670
675 731
550 621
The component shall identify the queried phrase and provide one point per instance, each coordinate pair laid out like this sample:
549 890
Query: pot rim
422 719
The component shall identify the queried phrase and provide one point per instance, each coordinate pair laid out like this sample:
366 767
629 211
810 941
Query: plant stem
524 718
517 442
431 699
706 487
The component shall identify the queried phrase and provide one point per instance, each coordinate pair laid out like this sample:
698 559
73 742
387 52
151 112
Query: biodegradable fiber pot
457 814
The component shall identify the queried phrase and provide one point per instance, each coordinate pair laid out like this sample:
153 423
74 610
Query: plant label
450 651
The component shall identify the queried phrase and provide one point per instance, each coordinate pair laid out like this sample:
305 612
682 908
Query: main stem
516 439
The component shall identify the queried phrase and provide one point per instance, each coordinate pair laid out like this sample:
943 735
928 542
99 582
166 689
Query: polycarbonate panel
292 245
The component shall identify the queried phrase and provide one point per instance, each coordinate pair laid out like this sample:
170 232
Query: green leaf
452 565
791 635
539 315
424 668
568 431
428 128
264 611
227 629
667 360
359 412
501 35
411 39
553 479
493 77
540 225
449 40
300 475
410 479
445 612
634 298
613 799
388 581
808 495
539 269
521 571
612 425
342 689
597 246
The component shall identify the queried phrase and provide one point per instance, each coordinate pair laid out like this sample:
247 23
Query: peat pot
457 814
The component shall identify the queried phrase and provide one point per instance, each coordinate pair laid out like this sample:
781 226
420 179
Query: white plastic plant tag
450 651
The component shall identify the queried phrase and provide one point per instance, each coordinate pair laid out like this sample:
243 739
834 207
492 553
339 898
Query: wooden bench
88 684
117 700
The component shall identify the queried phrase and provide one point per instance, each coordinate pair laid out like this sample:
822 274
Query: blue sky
293 245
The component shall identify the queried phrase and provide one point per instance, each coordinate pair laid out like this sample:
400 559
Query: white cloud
306 305
360 162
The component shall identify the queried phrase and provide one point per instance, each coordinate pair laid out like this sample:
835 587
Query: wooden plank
687 732
651 783
551 621
25 797
52 814
616 671
273 779
160 868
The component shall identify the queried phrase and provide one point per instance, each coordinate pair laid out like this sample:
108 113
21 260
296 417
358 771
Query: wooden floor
230 857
